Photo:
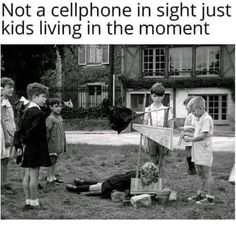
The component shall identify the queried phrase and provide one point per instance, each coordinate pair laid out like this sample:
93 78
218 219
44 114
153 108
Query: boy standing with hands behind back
32 133
202 154
55 136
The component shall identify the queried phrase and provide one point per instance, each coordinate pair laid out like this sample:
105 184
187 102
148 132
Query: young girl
55 136
32 132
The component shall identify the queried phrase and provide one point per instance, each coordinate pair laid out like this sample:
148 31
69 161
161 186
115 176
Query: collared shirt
157 115
33 104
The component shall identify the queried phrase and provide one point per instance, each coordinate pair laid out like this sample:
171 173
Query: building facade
126 72
206 70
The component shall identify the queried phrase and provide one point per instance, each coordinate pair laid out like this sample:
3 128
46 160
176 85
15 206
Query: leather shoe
71 188
78 182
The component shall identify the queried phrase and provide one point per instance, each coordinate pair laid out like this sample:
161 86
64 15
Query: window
154 61
137 100
208 60
217 107
180 61
93 54
92 94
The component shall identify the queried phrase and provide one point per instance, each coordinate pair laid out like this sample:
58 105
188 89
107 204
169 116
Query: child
8 129
202 150
32 132
120 182
188 130
55 136
159 116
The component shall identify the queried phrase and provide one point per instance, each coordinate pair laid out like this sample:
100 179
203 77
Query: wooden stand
163 136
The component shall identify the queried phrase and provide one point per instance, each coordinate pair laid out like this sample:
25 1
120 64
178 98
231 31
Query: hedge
80 113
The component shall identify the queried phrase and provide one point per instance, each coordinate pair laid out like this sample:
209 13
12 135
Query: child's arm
49 127
145 118
171 123
201 137
65 144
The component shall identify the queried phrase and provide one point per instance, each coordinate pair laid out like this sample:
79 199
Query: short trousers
53 159
203 170
154 148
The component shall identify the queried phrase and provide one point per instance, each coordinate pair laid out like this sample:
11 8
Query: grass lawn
100 162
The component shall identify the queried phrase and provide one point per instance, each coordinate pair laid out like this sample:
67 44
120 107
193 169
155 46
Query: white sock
34 202
27 201
50 179
210 196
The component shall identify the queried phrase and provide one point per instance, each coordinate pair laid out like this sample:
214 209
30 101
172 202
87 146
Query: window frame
218 121
182 73
130 93
154 62
208 74
83 55
193 72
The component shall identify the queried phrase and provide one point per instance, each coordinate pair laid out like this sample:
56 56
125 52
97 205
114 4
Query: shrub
88 113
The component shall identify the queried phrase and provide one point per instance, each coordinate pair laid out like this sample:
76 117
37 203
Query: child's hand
19 151
182 134
187 139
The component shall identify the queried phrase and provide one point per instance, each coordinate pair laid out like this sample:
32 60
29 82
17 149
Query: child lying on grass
120 182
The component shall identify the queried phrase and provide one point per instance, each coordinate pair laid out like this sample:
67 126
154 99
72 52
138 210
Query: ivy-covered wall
74 75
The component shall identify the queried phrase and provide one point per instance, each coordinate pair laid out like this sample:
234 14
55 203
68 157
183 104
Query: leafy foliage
191 82
80 113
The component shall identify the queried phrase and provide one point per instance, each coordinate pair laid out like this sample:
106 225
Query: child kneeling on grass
202 154
121 182
32 133
55 136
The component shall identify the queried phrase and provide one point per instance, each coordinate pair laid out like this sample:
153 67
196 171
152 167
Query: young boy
55 136
188 130
8 129
202 154
32 133
120 182
159 116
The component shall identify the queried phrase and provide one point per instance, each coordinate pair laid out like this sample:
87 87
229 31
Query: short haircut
36 89
53 101
157 89
7 81
197 101
186 101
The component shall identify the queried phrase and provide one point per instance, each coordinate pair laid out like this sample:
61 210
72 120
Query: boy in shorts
158 115
202 154
55 136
